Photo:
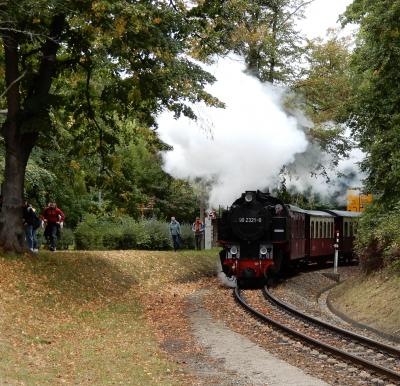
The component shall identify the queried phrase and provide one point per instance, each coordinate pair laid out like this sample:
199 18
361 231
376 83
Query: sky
321 15
244 146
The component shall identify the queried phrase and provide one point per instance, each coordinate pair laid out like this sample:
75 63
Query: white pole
336 261
208 233
336 245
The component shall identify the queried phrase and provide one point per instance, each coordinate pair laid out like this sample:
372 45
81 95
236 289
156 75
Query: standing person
53 217
198 229
31 224
175 230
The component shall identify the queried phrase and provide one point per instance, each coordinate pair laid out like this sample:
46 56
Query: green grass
373 300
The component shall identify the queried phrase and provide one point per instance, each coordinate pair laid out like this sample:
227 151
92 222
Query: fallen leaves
92 317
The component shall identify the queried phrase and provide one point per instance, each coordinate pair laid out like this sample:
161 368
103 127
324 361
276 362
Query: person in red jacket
53 218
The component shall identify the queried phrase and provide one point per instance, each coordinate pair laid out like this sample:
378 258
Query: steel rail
348 334
347 356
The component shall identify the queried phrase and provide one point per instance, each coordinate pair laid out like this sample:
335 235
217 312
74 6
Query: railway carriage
320 234
345 225
297 233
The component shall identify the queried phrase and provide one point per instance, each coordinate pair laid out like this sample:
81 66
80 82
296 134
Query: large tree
324 91
375 108
264 32
137 47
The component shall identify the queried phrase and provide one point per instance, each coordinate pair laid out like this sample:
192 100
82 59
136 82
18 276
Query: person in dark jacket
175 230
31 224
53 218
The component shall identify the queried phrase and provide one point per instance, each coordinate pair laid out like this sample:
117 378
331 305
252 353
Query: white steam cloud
242 147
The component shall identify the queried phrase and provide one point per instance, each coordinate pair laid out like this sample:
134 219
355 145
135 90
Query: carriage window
320 229
351 229
324 229
312 229
346 229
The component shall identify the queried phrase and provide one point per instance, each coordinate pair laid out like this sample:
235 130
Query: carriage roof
344 213
315 213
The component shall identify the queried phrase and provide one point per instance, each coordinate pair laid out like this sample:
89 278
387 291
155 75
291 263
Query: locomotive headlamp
248 197
263 250
234 250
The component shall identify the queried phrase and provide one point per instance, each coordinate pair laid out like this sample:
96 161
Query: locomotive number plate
250 219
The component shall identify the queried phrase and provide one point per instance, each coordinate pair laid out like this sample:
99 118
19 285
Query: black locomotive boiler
260 235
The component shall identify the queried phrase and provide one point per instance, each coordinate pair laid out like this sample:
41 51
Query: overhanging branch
12 84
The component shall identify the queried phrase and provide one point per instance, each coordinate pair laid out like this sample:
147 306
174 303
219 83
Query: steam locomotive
262 236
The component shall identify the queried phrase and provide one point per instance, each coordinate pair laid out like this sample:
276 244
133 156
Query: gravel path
255 365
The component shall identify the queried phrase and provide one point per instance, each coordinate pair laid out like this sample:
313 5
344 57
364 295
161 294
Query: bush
159 234
107 232
187 237
89 234
66 240
378 237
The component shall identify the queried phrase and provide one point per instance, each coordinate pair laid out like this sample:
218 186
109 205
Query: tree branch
48 62
12 84
295 11
92 116
11 73
30 34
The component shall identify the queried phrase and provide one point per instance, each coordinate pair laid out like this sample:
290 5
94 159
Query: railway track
348 346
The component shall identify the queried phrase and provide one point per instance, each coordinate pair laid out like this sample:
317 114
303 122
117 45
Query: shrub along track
347 346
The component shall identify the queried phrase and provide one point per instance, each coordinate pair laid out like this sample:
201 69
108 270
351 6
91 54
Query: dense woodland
83 81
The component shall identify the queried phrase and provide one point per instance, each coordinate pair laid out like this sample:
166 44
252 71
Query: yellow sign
356 201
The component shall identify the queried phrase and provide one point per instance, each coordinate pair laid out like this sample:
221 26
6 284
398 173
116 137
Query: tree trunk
17 154
12 237
272 62
20 139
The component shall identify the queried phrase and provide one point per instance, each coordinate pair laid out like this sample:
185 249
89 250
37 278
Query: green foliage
378 236
134 179
187 237
78 73
66 240
263 32
374 110
306 199
324 92
108 233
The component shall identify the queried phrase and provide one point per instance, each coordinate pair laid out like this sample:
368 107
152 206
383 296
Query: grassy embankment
77 318
373 300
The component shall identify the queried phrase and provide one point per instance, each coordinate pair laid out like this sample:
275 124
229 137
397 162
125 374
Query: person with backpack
31 223
53 218
198 230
